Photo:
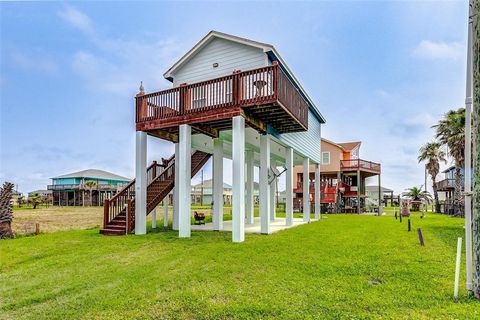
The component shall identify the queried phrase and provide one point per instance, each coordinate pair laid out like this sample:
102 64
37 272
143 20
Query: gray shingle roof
94 174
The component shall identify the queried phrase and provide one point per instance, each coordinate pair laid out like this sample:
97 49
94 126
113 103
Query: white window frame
324 153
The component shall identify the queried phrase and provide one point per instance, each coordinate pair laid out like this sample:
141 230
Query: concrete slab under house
230 98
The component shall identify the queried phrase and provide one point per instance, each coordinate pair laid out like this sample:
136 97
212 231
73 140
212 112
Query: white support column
289 187
217 217
175 189
264 192
272 200
141 183
249 198
306 189
238 174
165 211
317 191
154 218
184 181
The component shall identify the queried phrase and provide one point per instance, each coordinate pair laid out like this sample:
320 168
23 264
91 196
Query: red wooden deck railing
359 164
123 200
260 86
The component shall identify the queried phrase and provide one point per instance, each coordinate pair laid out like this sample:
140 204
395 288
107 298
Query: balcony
446 184
263 96
359 164
99 187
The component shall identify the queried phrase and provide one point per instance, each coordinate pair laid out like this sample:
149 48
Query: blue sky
381 72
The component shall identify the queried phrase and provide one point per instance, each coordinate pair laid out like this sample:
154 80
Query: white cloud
76 18
117 65
439 50
34 61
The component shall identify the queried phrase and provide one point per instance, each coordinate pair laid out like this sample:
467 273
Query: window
326 157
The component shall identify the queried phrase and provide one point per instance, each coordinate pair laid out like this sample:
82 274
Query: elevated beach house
343 175
230 97
85 188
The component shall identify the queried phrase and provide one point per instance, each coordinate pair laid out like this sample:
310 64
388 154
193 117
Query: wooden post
409 225
37 228
106 207
339 184
358 190
154 170
128 217
420 237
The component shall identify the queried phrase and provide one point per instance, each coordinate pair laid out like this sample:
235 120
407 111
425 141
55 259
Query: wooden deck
264 96
360 164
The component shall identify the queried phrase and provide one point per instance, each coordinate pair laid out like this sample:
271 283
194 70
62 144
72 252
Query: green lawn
319 271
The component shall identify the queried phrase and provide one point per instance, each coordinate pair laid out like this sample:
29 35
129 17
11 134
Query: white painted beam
289 187
141 183
217 217
273 213
184 179
264 188
317 191
175 190
306 189
249 207
154 218
165 211
238 175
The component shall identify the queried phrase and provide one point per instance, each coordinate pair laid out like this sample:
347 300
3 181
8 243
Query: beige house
343 175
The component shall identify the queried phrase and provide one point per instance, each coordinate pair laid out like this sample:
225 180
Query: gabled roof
267 48
208 184
333 144
375 189
93 174
449 169
350 145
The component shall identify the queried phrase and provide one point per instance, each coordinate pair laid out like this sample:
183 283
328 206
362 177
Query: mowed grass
342 267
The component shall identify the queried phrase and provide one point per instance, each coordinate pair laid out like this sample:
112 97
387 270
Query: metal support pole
468 156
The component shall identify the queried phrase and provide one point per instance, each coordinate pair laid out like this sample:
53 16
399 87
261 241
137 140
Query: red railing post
128 216
154 169
183 98
106 212
275 79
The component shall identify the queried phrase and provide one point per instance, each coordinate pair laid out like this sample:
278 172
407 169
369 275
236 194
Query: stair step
119 222
112 232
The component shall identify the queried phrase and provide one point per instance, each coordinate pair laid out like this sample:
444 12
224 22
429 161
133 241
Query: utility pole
474 46
468 154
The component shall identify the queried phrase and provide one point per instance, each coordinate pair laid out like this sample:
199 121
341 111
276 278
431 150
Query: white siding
308 143
229 55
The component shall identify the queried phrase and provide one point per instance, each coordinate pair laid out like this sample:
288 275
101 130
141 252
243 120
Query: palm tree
417 194
6 212
34 200
433 154
90 185
451 133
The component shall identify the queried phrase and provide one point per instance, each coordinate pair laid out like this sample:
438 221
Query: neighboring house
343 175
15 195
447 188
74 189
206 190
372 195
41 193
230 97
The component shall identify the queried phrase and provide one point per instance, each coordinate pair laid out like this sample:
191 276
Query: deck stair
119 211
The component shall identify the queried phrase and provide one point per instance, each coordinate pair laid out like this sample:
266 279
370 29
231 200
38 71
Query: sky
380 72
